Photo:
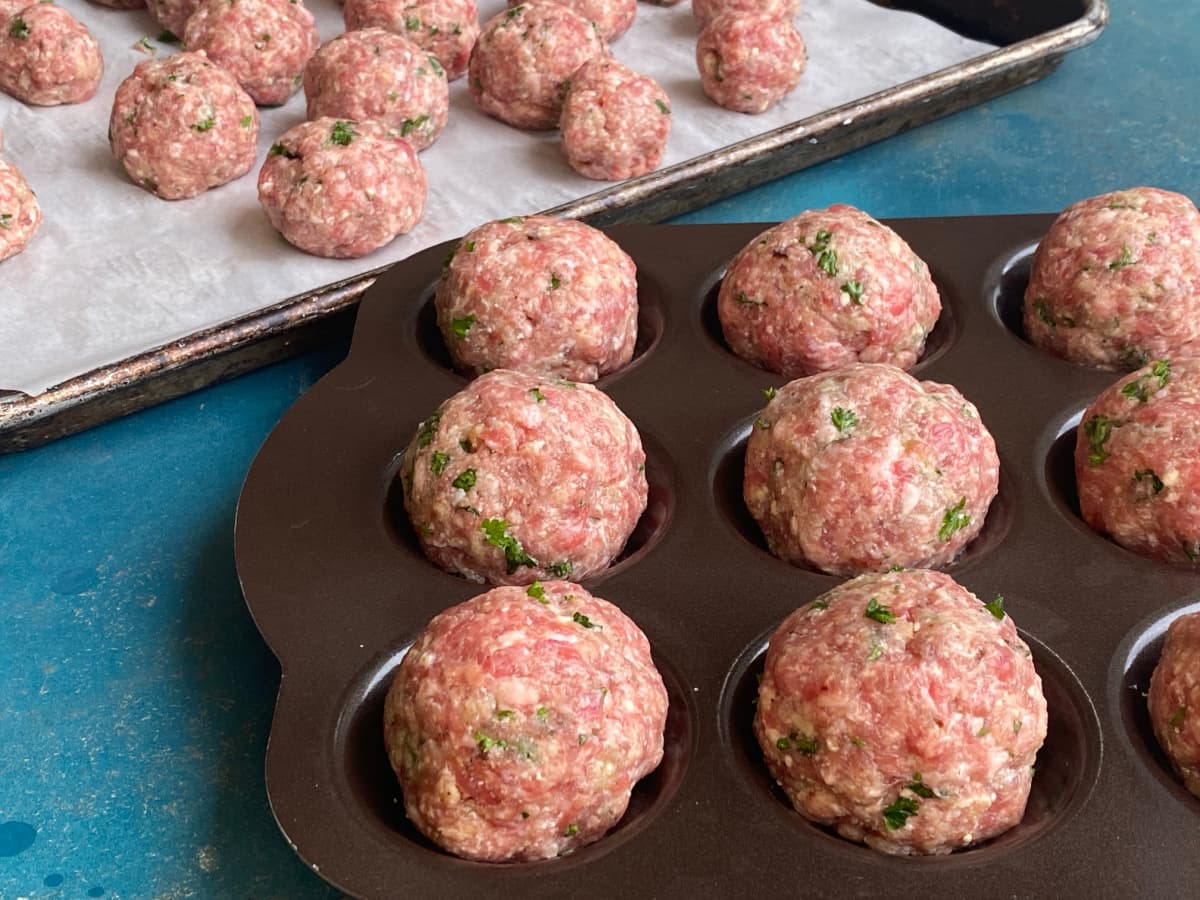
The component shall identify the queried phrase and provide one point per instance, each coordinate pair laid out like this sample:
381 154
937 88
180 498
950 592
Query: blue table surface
136 695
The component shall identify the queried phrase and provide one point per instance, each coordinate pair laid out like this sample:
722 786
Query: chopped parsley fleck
1146 484
1190 548
1139 388
555 281
562 568
875 652
449 259
168 37
504 714
854 290
955 519
843 419
896 814
572 829
1098 430
438 462
247 121
662 107
144 43
1043 312
465 480
469 246
537 592
1125 259
524 814
826 255
769 393
6 220
342 133
412 23
542 713
427 429
486 743
562 382
819 603
799 742
920 788
858 742
462 325
583 620
996 606
879 612
280 150
411 125
18 28
433 63
1017 726
1177 717
512 220
205 124
496 533
749 301
537 394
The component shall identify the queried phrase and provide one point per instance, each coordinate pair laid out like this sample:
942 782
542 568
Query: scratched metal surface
135 693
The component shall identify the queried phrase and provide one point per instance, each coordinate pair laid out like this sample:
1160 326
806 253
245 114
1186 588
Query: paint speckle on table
16 837
53 880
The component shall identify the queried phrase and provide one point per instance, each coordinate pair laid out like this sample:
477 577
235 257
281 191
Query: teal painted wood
136 695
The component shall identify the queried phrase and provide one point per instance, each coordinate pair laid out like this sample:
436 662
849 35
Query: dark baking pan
1032 37
337 584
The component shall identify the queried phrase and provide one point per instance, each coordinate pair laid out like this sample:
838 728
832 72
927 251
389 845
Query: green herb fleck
280 150
826 255
555 281
799 742
496 533
749 301
462 325
542 713
819 603
6 220
537 394
1043 312
583 620
896 814
920 788
1177 717
427 429
996 606
1139 388
524 814
875 652
486 743
504 714
1098 430
1017 726
1147 484
144 43
662 107
561 569
537 592
247 121
854 290
879 612
512 220
412 23
168 37
411 125
858 742
769 393
205 124
18 28
438 462
955 519
1125 259
572 830
465 480
433 63
843 419
342 133
1190 548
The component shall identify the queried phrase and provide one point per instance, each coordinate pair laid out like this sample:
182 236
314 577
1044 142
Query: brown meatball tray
337 584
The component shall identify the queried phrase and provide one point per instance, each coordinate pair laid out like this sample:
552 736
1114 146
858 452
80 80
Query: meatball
121 4
342 189
612 18
20 214
1115 282
9 8
264 43
520 720
181 125
446 29
825 289
1174 699
1137 460
517 478
48 58
748 63
902 711
707 10
865 468
539 294
524 58
374 74
615 122
172 15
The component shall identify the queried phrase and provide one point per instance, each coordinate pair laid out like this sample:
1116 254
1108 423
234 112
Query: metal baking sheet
337 584
1032 46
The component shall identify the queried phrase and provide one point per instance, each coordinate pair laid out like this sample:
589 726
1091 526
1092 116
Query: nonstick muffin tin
338 586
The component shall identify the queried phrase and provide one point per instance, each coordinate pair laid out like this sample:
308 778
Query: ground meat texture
825 289
518 478
446 29
342 189
1115 282
903 712
615 122
48 58
1174 699
1137 460
172 15
519 722
264 43
611 17
180 125
374 74
539 294
121 4
865 468
20 214
707 10
748 63
524 58
9 8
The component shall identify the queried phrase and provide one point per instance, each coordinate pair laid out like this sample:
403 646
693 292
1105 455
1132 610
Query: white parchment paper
115 271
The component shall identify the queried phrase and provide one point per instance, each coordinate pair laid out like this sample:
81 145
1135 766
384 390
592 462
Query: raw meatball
445 28
611 17
615 122
342 189
20 214
517 478
1137 460
1116 281
181 125
539 294
748 63
524 58
374 74
902 711
264 43
824 289
172 15
865 468
47 58
707 10
520 720
1174 699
